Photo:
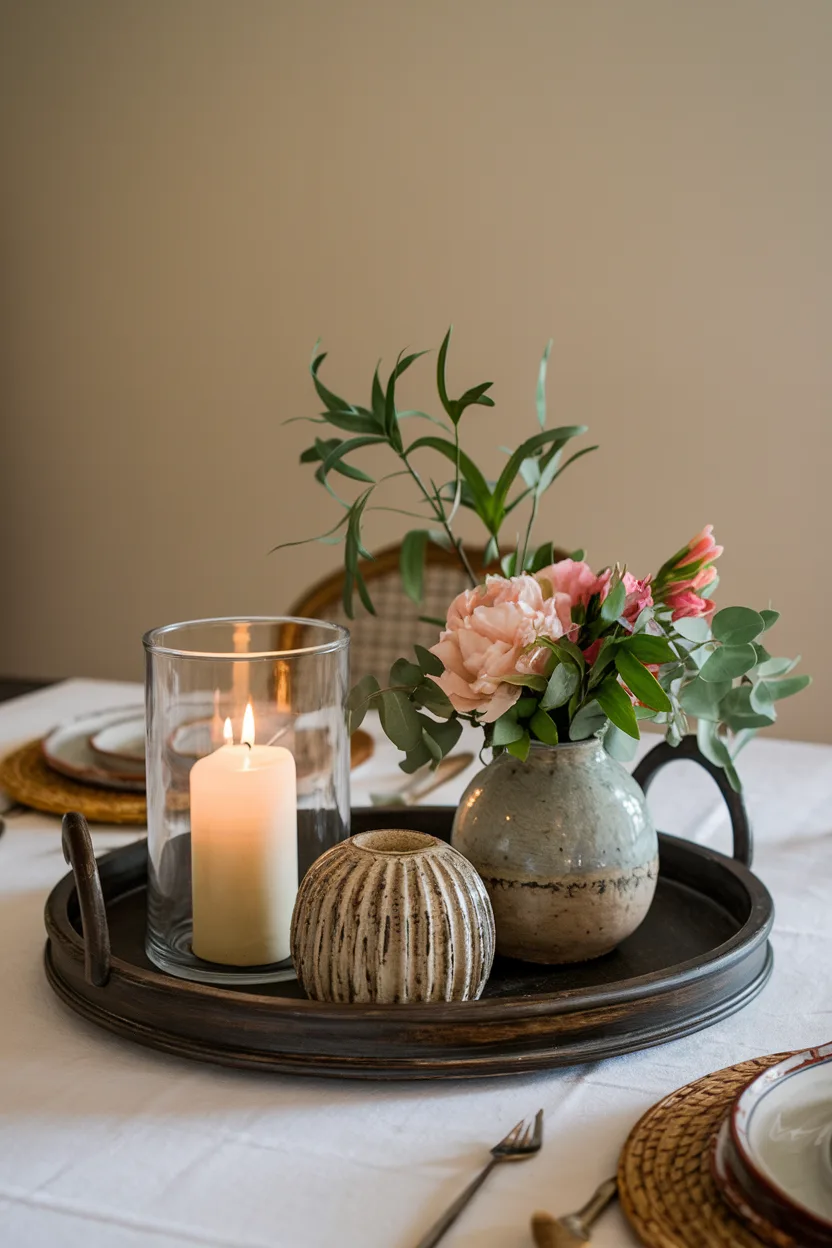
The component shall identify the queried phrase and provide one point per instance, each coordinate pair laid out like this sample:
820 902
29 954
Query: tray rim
654 983
470 1065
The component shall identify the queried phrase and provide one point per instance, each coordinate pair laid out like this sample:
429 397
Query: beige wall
194 190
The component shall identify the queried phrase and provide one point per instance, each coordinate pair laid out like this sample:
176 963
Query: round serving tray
701 954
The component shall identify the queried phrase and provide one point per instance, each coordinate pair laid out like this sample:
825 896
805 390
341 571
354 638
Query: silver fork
520 1143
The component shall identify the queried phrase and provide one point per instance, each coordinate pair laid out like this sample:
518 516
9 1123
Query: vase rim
395 842
565 745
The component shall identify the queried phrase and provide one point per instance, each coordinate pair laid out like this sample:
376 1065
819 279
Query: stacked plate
105 749
772 1157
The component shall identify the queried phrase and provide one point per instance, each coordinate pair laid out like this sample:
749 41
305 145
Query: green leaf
738 710
404 672
416 758
554 469
774 690
619 745
412 562
541 385
728 662
587 721
337 453
702 698
769 618
429 664
715 749
543 556
399 719
314 454
640 682
577 555
692 628
530 471
444 736
649 648
476 396
777 667
605 656
378 399
619 709
520 748
543 728
471 474
506 729
528 681
440 376
524 707
736 625
562 684
491 553
433 698
553 438
432 619
613 604
364 593
358 701
563 646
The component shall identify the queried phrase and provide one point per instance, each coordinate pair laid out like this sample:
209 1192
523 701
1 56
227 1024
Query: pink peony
486 638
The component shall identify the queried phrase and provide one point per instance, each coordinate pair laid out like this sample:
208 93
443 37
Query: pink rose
572 577
487 637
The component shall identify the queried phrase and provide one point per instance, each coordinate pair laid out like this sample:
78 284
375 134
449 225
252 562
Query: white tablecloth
108 1145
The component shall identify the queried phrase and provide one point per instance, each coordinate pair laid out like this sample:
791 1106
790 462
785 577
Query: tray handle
663 753
78 851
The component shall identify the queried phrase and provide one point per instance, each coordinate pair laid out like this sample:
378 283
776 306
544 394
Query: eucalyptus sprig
531 470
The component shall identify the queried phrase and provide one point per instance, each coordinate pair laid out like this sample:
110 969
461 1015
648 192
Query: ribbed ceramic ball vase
392 916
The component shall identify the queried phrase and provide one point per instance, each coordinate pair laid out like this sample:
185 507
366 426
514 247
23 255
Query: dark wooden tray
701 954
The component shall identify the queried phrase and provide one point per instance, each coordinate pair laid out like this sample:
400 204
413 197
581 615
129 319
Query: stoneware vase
566 848
392 916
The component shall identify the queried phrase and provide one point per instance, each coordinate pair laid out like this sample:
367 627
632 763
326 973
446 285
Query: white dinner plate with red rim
780 1131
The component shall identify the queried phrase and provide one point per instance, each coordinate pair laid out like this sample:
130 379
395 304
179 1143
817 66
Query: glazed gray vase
566 848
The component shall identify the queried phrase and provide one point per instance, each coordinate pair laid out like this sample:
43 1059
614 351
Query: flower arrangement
544 650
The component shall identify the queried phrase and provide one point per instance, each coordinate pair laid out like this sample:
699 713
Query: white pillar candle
244 852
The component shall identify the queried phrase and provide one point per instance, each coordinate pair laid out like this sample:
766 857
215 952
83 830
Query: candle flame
228 733
248 727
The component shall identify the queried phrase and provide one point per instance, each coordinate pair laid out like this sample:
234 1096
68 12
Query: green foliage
719 673
535 465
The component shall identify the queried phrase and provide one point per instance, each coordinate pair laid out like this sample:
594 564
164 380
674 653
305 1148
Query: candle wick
248 743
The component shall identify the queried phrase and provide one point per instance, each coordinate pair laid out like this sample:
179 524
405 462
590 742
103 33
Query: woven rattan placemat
664 1175
26 777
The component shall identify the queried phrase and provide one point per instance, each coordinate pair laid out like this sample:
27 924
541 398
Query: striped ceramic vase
392 916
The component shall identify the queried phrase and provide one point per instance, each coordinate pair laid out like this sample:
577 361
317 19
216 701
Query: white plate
121 743
781 1128
67 749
